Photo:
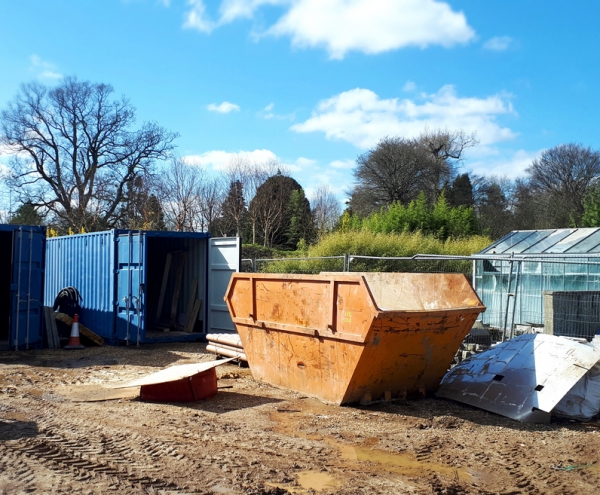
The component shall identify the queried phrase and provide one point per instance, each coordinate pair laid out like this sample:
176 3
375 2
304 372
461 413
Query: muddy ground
57 436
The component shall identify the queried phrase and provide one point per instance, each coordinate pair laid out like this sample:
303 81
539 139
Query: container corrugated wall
119 274
85 262
22 263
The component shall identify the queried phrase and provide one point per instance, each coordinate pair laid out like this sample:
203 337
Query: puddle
406 464
310 480
315 480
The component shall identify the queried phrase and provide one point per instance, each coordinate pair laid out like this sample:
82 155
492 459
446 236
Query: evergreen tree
460 193
234 210
591 208
494 214
301 226
26 214
270 208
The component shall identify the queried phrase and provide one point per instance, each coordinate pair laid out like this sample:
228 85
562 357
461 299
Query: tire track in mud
78 455
72 461
531 477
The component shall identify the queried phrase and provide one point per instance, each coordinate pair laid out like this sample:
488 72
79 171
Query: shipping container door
27 288
224 257
130 292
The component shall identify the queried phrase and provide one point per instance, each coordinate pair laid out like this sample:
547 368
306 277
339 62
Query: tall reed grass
364 243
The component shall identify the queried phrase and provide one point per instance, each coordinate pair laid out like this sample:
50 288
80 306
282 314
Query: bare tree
75 152
561 177
398 169
141 208
326 209
180 189
392 171
211 201
446 148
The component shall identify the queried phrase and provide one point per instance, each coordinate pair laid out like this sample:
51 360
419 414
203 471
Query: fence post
346 263
509 294
516 293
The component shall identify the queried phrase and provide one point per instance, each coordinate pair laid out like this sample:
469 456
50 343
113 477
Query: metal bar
302 259
129 284
29 290
18 309
508 296
141 285
516 293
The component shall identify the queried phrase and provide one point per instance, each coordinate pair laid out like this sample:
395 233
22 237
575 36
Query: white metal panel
523 378
224 255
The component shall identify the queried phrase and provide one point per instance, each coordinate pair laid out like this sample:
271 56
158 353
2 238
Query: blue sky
315 83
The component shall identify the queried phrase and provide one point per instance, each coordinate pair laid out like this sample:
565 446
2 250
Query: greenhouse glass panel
589 245
570 241
532 267
576 267
553 237
531 241
576 282
509 241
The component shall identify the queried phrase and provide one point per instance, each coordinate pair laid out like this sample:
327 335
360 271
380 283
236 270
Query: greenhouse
546 280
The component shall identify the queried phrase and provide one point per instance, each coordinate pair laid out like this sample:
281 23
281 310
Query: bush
440 220
364 243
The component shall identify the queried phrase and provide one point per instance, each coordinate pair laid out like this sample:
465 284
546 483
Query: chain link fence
554 294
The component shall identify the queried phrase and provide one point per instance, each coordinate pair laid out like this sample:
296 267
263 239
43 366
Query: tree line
78 163
560 189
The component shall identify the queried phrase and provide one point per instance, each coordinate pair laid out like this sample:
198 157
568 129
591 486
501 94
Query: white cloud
225 107
220 160
409 87
343 164
196 17
346 25
341 26
234 9
268 114
505 165
43 69
360 117
499 43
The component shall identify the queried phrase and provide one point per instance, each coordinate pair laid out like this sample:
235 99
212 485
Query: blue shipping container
22 262
139 286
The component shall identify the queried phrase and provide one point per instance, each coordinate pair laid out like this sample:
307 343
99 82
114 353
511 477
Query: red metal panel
196 387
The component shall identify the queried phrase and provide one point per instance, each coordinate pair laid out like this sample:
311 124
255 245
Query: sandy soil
64 429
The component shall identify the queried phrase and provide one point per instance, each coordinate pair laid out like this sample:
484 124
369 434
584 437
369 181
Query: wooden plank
190 321
177 290
163 287
52 338
192 300
83 330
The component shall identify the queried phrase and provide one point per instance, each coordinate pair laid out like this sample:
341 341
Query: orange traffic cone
74 342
